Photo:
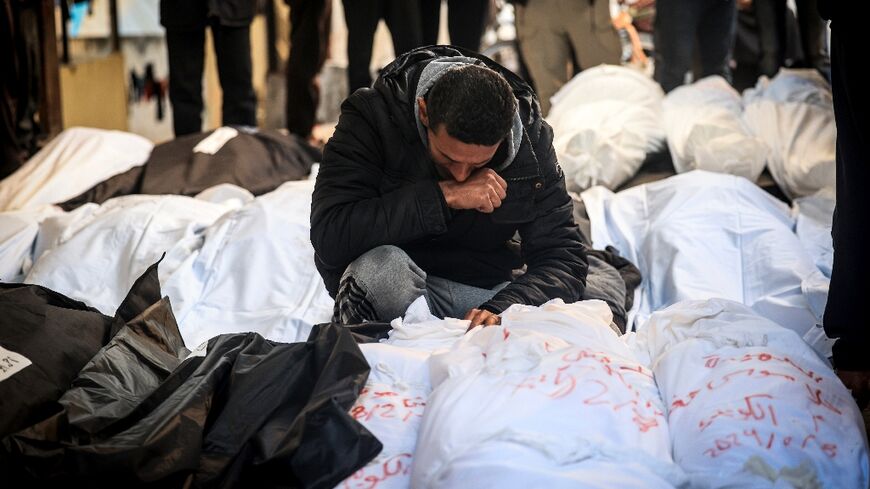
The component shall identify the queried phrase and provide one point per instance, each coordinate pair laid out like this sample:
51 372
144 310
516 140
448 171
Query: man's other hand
481 316
483 191
859 383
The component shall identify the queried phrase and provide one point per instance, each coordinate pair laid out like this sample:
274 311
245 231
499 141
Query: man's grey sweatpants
383 282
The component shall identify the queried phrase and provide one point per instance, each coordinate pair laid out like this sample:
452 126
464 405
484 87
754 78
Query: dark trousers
770 20
684 26
465 21
845 313
362 17
772 23
309 40
812 29
232 47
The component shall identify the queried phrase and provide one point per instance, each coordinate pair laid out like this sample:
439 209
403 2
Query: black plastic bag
58 335
250 411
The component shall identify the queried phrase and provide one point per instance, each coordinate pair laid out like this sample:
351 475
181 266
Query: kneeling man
441 180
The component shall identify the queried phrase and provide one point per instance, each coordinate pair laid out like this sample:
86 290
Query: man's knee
384 263
379 285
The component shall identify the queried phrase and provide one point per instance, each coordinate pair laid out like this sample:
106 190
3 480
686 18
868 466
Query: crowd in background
555 39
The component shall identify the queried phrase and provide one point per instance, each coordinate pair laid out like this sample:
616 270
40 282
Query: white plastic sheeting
74 161
794 114
95 253
391 406
705 130
233 263
814 219
420 330
255 272
18 230
750 404
605 121
703 235
551 398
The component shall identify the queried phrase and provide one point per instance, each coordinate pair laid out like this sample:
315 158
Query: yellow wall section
93 93
94 87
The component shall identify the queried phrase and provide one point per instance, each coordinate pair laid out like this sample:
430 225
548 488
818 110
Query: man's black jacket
378 186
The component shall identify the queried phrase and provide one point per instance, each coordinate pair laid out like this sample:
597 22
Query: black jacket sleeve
556 263
349 215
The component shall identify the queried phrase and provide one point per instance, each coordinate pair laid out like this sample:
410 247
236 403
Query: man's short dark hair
475 104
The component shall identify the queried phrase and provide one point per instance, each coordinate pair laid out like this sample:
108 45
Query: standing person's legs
845 313
403 18
674 36
232 46
544 46
594 39
186 54
362 18
716 30
430 20
309 41
465 21
811 28
768 16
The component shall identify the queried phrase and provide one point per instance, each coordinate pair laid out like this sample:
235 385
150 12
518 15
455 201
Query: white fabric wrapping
18 231
794 114
391 406
814 219
551 398
705 130
605 121
254 272
233 263
74 161
704 235
750 404
95 253
420 330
